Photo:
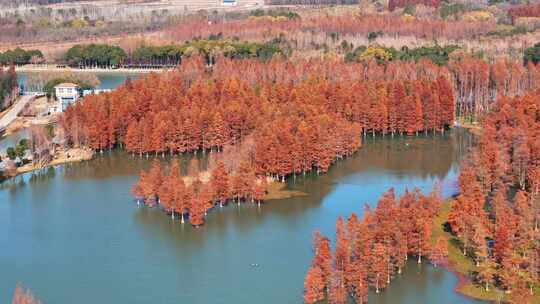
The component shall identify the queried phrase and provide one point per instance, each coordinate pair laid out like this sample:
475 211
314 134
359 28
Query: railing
96 91
33 93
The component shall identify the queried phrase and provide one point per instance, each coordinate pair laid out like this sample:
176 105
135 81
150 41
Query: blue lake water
73 232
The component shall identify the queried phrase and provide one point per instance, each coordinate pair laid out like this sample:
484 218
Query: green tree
532 54
11 153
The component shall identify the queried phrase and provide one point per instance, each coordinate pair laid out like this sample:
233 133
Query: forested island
252 100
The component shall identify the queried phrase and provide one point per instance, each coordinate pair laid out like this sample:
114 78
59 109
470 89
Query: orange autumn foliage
370 251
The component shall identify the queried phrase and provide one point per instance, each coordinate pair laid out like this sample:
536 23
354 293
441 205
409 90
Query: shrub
532 54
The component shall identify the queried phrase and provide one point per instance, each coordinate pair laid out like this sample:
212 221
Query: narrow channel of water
73 232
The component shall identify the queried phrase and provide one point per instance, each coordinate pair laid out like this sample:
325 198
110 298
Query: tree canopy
102 55
20 56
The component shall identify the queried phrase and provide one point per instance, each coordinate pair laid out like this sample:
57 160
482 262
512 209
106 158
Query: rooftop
66 85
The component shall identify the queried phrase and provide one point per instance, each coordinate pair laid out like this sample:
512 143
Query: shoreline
275 191
462 265
473 127
72 155
25 123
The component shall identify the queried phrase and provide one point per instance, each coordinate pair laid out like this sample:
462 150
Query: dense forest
372 251
321 118
104 55
475 82
496 216
495 219
532 10
343 26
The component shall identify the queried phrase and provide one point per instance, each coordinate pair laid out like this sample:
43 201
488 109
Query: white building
66 94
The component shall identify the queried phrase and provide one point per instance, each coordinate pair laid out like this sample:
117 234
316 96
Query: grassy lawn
461 264
277 190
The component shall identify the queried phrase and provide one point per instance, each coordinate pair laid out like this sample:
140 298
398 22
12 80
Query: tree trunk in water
182 215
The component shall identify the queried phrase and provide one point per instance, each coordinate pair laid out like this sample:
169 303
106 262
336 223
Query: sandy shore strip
62 157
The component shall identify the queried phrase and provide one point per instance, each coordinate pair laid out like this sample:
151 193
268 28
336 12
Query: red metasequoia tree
439 252
497 212
314 285
323 26
23 296
292 123
220 183
176 194
369 252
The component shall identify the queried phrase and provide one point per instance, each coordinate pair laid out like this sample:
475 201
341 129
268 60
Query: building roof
66 85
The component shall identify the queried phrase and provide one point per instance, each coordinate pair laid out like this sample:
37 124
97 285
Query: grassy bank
463 266
277 190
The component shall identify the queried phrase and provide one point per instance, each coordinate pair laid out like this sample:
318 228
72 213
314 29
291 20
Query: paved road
12 113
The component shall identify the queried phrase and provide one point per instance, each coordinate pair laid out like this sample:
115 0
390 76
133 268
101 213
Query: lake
107 80
11 140
74 232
